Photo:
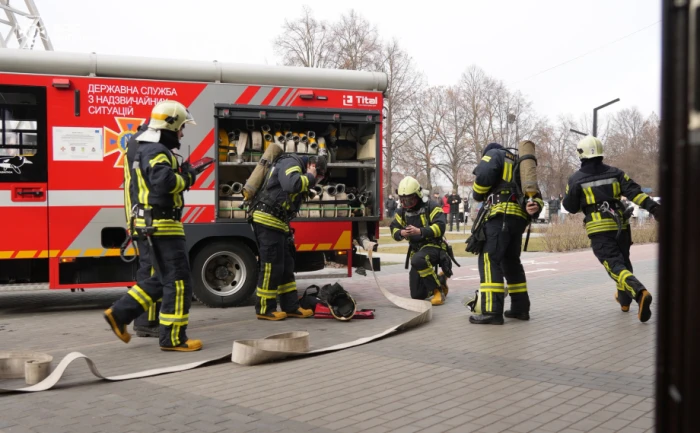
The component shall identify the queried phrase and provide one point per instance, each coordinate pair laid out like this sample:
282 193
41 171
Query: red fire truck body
65 120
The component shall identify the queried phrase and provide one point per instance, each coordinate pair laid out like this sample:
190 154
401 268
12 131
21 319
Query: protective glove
189 173
656 212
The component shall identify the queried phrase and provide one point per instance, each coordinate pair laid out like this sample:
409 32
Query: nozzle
303 138
267 137
288 135
311 134
313 145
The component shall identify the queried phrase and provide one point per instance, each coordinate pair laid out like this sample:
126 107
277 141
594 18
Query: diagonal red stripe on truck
271 96
247 95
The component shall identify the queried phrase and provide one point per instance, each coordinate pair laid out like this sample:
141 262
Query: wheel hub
224 273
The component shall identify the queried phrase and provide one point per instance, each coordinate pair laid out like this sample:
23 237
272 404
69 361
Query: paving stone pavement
580 365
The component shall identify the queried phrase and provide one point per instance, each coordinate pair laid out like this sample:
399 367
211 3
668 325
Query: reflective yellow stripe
399 219
435 211
590 198
639 199
291 170
480 189
158 159
486 158
142 189
270 221
286 288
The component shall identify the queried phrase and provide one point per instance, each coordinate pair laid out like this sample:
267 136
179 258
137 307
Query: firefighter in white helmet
156 183
596 190
422 222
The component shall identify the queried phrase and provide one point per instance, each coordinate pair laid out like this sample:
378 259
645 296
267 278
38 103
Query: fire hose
275 347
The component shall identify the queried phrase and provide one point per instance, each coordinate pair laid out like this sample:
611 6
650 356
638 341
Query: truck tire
224 274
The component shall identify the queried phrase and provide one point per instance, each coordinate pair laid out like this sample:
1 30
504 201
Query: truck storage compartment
348 138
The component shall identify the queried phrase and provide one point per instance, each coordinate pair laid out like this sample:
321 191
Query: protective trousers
501 259
173 286
149 319
276 271
614 255
422 278
454 218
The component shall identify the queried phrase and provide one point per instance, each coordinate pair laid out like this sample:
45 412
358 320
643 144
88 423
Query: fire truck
65 120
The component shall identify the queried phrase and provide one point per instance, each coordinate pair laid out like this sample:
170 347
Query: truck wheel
224 274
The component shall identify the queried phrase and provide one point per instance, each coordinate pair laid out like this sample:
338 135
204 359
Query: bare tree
305 41
356 43
421 151
632 144
404 84
452 135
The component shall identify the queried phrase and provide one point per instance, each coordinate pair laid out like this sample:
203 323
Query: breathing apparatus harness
476 241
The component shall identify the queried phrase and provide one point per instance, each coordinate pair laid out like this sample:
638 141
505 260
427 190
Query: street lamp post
595 115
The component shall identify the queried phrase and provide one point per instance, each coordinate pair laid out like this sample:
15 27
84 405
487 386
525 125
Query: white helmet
589 147
169 115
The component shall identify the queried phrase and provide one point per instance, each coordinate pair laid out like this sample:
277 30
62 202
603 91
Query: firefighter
146 325
286 185
422 223
507 216
158 181
596 190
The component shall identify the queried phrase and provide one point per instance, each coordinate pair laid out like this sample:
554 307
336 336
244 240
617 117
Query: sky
566 56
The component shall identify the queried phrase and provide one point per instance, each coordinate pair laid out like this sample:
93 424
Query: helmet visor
408 201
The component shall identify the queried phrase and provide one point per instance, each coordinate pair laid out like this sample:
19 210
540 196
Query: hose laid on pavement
245 352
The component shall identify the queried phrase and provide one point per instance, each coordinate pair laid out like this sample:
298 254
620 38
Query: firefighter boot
644 301
486 319
118 328
524 315
437 298
188 346
443 284
146 331
272 315
301 313
624 308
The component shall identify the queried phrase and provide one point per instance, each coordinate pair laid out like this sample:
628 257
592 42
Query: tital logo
361 101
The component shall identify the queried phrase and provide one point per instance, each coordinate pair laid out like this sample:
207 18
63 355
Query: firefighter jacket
429 217
596 184
498 181
152 177
286 185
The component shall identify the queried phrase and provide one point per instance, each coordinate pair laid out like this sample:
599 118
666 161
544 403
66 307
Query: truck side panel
85 177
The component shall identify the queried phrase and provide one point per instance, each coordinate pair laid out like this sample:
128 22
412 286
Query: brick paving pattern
580 365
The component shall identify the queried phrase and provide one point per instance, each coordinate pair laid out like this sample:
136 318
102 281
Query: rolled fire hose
339 188
275 347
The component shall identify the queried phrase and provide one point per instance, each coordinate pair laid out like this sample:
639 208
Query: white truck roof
102 65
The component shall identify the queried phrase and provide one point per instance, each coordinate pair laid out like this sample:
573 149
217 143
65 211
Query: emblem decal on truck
12 164
115 141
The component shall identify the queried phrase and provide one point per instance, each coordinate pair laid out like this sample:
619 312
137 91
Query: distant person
390 206
596 191
445 205
554 204
454 200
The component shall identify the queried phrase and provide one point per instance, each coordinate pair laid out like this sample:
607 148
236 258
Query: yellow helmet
589 147
409 191
168 115
409 186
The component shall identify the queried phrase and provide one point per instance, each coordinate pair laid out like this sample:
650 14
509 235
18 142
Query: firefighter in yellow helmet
156 183
596 190
422 222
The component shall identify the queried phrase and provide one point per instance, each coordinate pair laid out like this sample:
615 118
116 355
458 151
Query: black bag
476 242
309 299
